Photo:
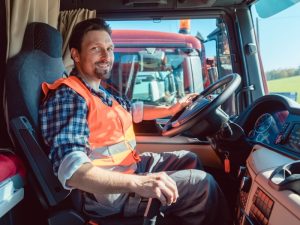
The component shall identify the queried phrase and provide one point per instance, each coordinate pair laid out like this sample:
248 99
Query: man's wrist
133 183
171 110
175 108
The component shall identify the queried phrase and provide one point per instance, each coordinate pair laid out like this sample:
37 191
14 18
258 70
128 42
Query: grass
290 84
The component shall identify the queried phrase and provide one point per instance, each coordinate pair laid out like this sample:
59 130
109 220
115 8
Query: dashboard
267 195
273 121
262 202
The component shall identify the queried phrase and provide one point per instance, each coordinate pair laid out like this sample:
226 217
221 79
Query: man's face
96 57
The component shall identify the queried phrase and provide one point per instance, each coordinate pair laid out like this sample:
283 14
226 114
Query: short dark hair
85 26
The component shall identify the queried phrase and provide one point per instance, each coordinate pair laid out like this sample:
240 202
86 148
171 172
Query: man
92 143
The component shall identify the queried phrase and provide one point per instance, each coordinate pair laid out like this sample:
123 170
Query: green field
290 84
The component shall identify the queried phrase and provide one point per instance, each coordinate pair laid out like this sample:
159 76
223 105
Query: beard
103 70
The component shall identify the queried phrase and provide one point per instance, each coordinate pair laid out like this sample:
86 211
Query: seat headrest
41 36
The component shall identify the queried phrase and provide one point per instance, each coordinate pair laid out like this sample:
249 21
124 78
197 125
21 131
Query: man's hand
153 112
156 185
182 103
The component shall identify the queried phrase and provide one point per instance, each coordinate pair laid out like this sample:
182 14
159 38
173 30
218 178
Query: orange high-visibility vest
111 139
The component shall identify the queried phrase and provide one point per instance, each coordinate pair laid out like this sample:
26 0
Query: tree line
282 73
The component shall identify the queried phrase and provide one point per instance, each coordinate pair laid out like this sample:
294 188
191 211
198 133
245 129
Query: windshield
160 61
278 39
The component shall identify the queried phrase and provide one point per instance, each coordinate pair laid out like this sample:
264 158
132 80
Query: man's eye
95 49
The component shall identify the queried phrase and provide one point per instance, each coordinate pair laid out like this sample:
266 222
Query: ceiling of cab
147 5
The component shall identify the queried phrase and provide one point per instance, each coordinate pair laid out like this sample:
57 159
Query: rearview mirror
267 8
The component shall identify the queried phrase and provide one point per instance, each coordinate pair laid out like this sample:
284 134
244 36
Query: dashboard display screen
267 126
293 141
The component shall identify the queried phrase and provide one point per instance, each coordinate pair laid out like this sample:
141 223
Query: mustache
103 62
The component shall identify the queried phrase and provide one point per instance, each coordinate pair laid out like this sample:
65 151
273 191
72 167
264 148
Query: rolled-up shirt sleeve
69 165
136 108
137 111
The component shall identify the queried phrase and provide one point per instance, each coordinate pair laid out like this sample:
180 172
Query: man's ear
75 55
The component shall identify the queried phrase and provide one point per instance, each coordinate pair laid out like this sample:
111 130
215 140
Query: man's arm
95 180
64 128
154 112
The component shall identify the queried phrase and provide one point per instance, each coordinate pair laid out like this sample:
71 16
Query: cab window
278 40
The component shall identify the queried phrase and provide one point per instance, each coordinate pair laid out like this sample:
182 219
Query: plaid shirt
63 120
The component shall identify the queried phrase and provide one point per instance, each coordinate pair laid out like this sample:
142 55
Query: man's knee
204 182
192 160
201 177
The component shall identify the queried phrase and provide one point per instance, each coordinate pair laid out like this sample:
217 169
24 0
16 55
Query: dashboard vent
261 208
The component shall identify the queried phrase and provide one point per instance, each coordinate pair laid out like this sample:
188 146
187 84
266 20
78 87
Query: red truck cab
157 67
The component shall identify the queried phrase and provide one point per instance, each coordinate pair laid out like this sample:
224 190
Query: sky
279 35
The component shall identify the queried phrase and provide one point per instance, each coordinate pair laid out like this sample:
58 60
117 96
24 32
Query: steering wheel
203 107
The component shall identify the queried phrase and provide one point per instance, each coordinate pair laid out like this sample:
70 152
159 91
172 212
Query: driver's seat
40 61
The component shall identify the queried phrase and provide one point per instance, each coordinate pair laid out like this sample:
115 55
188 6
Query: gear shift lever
151 212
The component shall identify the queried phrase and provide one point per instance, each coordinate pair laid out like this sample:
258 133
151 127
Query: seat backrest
39 60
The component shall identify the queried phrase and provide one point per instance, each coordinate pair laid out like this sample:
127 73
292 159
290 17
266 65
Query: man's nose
104 55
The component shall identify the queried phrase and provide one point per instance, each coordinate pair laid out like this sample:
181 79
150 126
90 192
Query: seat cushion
10 165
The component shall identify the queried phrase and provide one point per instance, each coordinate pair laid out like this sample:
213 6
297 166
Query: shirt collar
101 92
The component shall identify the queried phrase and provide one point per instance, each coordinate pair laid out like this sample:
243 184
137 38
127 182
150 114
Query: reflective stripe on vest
114 149
114 155
112 139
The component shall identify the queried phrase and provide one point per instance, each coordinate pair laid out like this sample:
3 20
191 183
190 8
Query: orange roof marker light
185 26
